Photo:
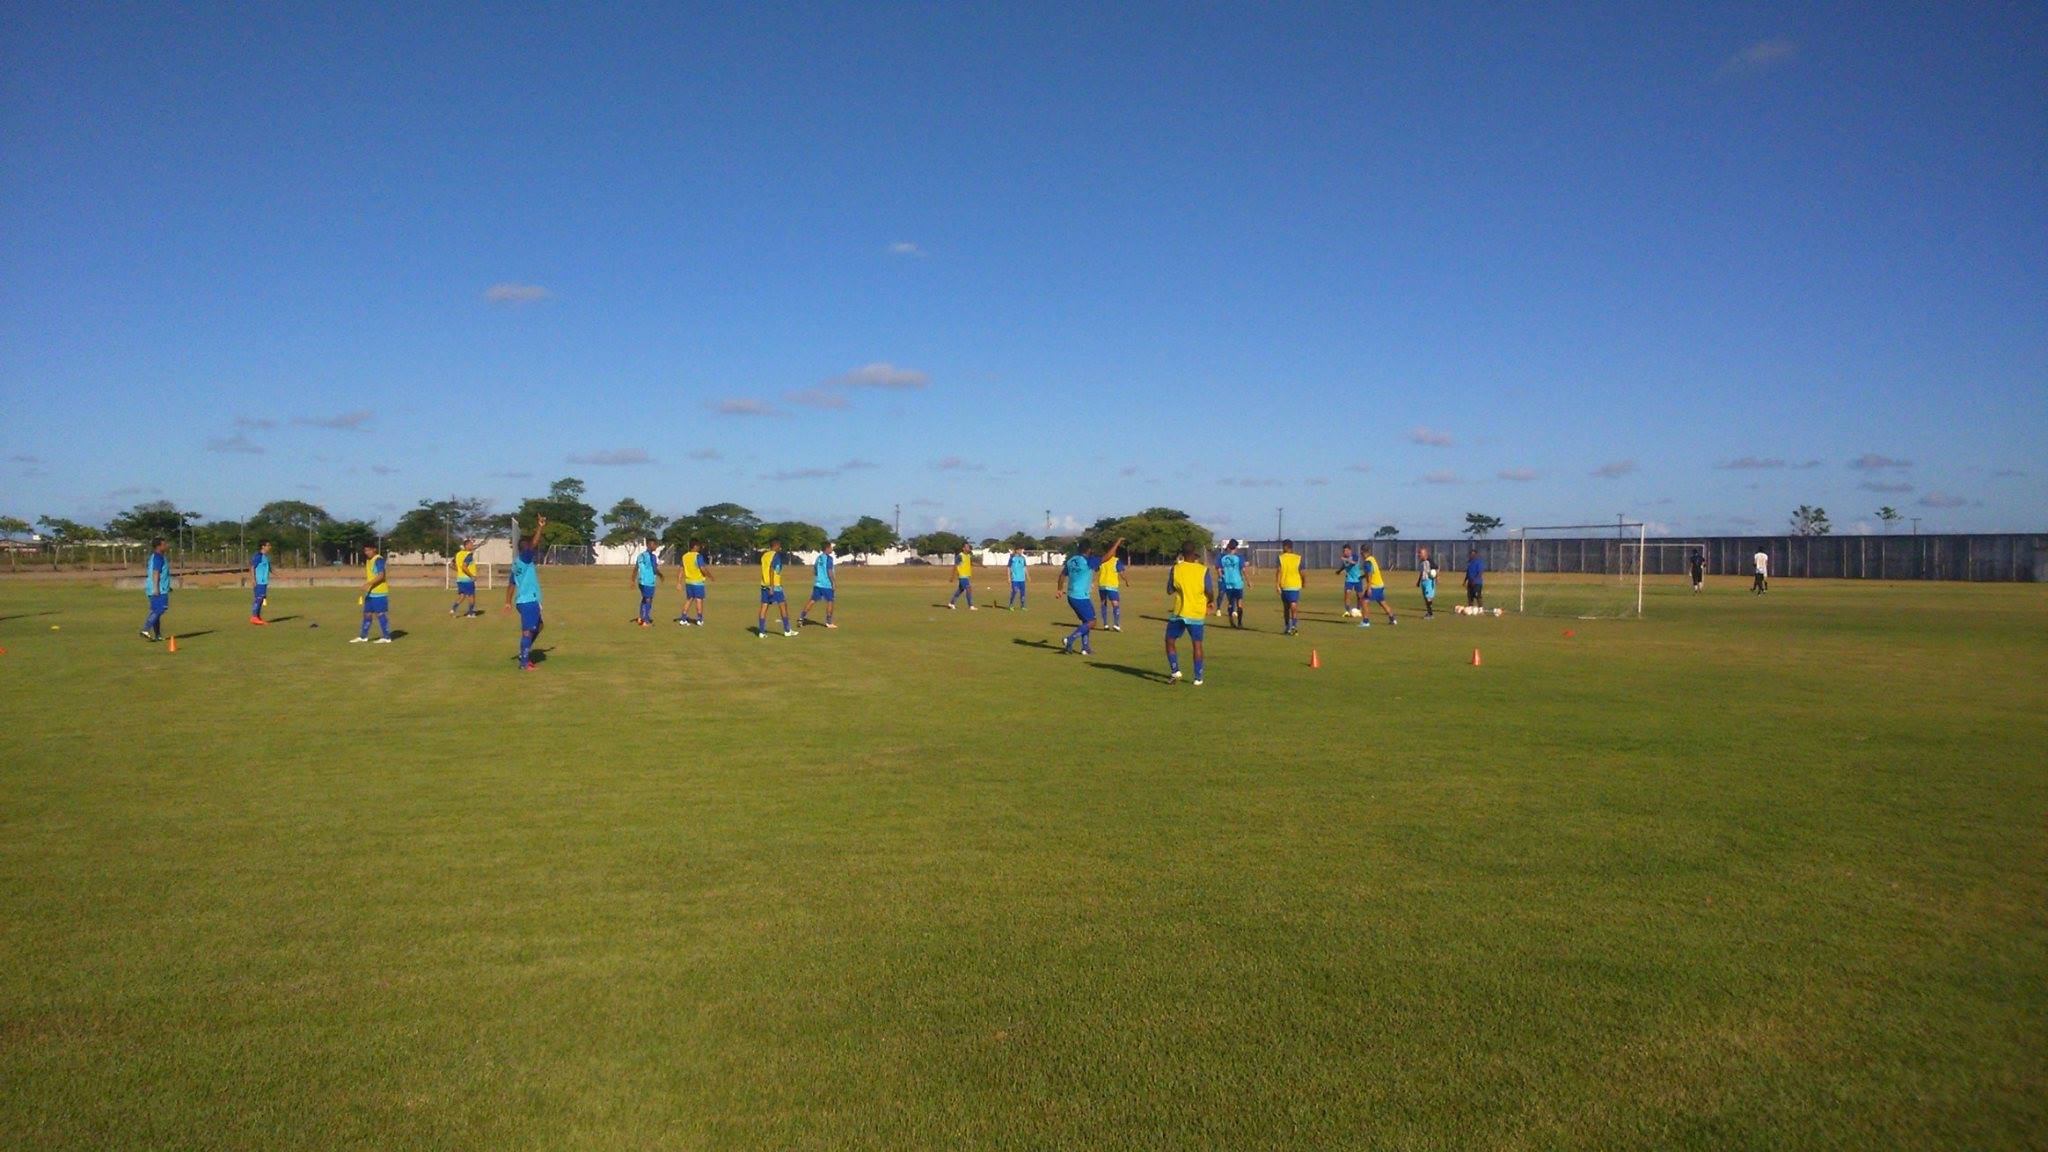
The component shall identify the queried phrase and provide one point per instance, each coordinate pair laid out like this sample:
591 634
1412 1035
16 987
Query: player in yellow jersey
1287 578
694 575
1375 587
465 580
1109 585
963 573
376 597
1189 589
772 560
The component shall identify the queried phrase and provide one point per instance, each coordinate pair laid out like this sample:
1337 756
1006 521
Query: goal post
1588 571
486 575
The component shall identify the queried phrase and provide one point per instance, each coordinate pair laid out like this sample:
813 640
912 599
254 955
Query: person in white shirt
1762 581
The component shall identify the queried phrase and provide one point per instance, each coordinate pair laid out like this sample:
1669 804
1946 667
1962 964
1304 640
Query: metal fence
1954 556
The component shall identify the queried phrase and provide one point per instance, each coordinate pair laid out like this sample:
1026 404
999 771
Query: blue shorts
1428 589
263 591
647 591
772 596
1353 585
1290 595
822 594
1016 585
160 603
375 604
1234 595
1177 627
694 591
966 582
1083 608
1377 595
1112 593
465 587
529 616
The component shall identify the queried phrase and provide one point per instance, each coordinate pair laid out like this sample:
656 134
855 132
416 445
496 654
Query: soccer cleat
789 635
146 634
1365 623
381 640
830 624
526 665
1066 646
258 620
1175 678
1198 683
952 608
360 640
761 633
1116 627
972 608
1393 620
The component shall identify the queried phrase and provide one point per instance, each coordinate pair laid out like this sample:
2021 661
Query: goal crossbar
1622 530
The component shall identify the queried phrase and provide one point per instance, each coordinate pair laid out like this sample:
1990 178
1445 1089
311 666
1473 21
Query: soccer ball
1496 611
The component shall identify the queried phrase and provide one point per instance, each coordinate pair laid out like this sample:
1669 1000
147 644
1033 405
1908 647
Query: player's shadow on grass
26 615
1129 670
1042 645
282 619
195 635
538 655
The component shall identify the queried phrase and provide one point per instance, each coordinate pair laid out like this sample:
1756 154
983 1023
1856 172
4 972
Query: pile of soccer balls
1469 610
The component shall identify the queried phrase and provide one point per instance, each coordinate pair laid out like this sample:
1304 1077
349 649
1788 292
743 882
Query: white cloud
1615 468
612 458
508 292
1429 437
816 398
744 406
1761 56
237 444
1751 463
1442 476
1881 486
1518 475
904 248
1943 500
343 422
1872 461
881 375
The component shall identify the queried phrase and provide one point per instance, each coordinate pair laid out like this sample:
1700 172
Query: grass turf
1748 873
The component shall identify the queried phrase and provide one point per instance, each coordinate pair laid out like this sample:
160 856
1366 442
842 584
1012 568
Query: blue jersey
1016 569
1080 577
158 582
1353 572
525 578
1232 567
259 568
1476 570
650 569
823 567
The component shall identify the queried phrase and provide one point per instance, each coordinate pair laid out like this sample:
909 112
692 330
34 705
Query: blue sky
1372 263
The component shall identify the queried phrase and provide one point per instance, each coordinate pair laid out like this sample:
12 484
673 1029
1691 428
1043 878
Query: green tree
1478 524
570 520
344 539
866 536
1022 542
439 526
1888 516
1386 532
795 535
937 543
726 529
630 521
150 519
62 531
1810 520
14 526
1149 536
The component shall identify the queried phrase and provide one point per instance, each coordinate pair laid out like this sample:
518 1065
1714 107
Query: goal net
1668 563
1582 571
486 575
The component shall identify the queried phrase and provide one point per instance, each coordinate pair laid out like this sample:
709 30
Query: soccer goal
1584 571
486 575
1668 563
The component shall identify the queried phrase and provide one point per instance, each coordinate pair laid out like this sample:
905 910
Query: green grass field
1748 873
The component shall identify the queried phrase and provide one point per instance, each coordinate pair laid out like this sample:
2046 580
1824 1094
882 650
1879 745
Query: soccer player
1230 573
694 577
1287 578
772 560
1762 582
821 587
1017 564
259 576
1475 580
1188 587
1077 577
647 567
376 597
1109 583
465 580
156 584
1699 568
1354 583
1373 589
522 595
963 571
1425 579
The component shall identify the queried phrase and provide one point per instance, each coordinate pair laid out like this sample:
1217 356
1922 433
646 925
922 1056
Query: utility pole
1916 525
1048 521
1279 525
899 521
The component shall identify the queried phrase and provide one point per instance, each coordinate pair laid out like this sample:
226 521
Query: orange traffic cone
1314 659
1475 657
174 643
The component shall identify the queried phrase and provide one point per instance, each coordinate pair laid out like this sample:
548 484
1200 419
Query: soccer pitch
1746 873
